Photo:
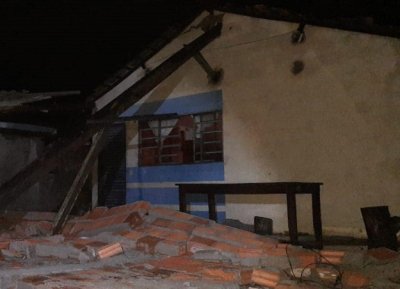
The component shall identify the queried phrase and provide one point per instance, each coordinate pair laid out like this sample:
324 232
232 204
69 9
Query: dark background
53 45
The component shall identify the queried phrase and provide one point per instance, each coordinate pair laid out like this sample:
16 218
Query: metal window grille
208 144
163 141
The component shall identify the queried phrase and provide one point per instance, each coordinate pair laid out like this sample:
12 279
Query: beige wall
337 122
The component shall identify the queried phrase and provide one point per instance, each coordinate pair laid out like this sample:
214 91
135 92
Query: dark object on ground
379 227
262 226
239 225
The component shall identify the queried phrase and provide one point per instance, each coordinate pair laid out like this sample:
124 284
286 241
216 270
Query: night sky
76 44
52 45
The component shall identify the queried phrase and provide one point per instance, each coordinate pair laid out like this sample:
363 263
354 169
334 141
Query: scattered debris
145 246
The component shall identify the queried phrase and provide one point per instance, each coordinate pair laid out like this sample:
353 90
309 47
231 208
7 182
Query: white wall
337 122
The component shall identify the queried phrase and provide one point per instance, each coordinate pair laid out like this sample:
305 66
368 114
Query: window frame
198 130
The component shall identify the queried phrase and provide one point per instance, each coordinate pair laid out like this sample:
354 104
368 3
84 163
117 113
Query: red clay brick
99 223
134 220
180 264
196 243
165 223
219 229
264 282
205 232
178 276
245 277
133 235
241 240
140 206
266 275
249 253
383 254
327 253
225 247
84 243
177 236
243 234
354 279
304 259
330 260
182 226
219 275
4 245
109 251
155 231
147 244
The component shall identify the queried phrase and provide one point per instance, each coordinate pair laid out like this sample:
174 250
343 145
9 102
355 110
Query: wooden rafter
39 168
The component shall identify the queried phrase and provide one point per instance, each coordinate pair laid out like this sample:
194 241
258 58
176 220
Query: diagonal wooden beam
155 46
79 181
130 96
39 168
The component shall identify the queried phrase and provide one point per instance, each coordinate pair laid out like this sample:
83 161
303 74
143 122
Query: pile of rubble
140 246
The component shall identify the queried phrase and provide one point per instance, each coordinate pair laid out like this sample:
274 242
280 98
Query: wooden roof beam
49 160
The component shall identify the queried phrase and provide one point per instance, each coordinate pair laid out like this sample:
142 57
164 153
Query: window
187 139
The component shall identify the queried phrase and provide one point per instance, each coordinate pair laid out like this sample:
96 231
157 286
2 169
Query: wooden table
290 189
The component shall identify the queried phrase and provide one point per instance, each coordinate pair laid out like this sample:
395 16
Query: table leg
182 200
212 211
317 222
292 217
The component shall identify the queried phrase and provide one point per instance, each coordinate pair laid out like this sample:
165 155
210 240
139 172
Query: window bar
159 141
201 137
194 138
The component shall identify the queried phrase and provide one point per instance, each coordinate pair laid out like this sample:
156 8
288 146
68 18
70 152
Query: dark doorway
112 168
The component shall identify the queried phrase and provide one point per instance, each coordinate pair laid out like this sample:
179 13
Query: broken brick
4 244
354 279
109 251
196 244
219 275
162 222
147 244
105 223
245 277
264 282
140 207
383 254
170 248
266 275
182 226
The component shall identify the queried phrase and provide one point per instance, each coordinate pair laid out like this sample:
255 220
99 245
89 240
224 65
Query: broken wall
336 122
16 153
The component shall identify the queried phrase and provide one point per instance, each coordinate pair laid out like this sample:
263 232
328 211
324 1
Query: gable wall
336 122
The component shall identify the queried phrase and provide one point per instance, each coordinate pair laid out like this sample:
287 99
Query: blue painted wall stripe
197 103
177 173
168 196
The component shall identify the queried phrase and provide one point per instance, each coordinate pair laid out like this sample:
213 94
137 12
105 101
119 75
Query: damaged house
290 126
